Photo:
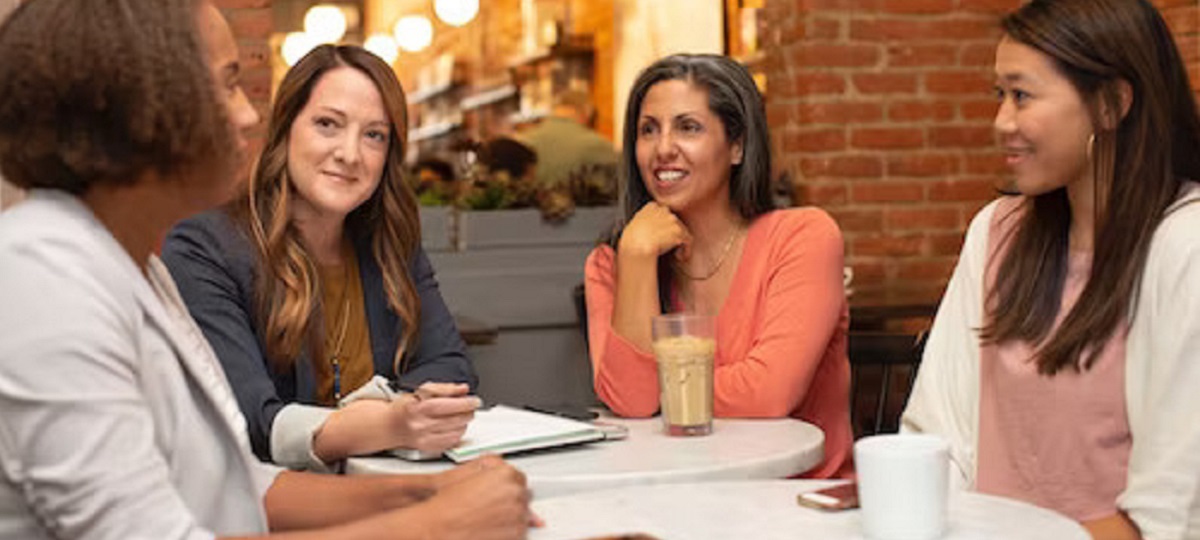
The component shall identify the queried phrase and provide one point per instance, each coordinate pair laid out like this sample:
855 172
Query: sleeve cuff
292 436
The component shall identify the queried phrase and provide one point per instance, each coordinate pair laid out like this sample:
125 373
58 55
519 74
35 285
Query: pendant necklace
720 260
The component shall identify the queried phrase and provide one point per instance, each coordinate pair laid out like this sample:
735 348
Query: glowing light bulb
413 33
456 12
383 46
325 23
295 46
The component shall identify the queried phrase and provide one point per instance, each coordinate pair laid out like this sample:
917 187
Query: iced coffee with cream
684 348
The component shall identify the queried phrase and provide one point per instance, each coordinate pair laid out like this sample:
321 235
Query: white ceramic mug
902 486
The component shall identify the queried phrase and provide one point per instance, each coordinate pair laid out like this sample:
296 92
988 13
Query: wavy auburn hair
1139 163
288 289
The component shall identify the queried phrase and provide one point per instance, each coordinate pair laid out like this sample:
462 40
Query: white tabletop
736 450
766 510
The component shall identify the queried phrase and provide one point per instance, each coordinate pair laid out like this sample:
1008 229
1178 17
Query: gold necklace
720 260
335 359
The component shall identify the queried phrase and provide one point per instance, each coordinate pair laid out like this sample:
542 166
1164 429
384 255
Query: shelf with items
566 65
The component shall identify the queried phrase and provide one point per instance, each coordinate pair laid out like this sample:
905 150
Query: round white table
736 450
767 510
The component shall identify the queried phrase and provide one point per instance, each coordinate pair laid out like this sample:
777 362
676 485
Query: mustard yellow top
347 360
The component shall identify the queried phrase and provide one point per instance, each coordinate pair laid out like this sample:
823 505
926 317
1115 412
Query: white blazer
116 421
1162 373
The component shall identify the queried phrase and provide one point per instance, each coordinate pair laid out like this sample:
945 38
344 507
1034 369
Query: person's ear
1122 94
737 153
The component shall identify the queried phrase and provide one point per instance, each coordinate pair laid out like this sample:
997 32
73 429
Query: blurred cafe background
880 112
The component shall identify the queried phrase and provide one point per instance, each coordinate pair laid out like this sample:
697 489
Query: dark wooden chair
883 368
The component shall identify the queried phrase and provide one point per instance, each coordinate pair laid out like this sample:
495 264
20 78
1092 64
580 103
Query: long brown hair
735 99
1139 168
287 288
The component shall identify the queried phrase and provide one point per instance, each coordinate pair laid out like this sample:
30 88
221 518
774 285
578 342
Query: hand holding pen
432 417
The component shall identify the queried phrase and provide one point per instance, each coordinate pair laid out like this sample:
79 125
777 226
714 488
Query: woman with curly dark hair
122 117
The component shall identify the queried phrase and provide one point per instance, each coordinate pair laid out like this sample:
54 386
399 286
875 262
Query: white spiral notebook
505 430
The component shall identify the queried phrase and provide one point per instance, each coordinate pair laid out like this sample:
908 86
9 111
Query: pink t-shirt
781 334
1059 442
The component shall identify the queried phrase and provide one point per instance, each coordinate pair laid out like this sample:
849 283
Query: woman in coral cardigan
700 233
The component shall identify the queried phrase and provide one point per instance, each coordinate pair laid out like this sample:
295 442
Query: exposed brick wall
252 26
881 111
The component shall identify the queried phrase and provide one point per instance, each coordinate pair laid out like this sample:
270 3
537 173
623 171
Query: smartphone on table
839 497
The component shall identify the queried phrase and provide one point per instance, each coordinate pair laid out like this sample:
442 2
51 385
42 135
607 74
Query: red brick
991 163
822 28
814 140
989 6
958 82
833 55
926 269
886 245
254 55
979 109
242 4
977 54
840 112
916 29
792 30
885 83
887 138
907 218
869 192
963 190
910 55
923 165
1189 48
962 137
822 193
251 23
812 83
257 86
842 167
907 111
867 272
1166 4
1182 20
918 6
945 243
868 220
804 6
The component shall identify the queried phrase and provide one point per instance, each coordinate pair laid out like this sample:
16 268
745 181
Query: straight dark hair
1139 166
734 98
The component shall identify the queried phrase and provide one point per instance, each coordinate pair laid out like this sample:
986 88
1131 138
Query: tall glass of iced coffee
684 347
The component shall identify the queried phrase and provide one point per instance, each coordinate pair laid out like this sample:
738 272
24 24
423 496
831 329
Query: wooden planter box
512 270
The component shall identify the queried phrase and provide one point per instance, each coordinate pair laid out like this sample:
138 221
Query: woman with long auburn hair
314 282
1064 361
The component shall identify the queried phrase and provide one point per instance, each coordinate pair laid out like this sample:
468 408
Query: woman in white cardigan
1064 362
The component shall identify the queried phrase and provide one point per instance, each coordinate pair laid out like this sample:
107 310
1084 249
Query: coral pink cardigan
781 334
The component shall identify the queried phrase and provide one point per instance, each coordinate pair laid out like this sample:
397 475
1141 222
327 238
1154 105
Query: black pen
398 386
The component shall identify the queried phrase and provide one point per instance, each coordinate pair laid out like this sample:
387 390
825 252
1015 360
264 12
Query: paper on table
504 430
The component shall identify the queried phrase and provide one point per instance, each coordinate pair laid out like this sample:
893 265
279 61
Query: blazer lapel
193 351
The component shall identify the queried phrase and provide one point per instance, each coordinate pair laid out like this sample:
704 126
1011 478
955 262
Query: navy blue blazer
213 261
